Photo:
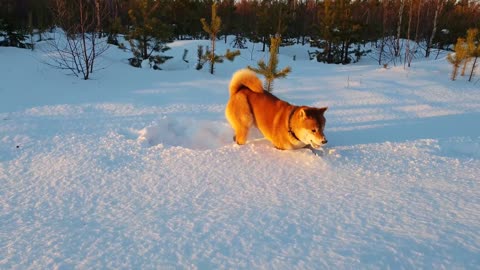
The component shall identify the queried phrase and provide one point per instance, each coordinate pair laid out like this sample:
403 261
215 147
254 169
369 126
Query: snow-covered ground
136 168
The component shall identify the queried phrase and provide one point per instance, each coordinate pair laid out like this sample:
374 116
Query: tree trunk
417 30
408 54
93 51
455 71
98 19
474 66
384 24
144 47
345 51
399 28
382 48
434 30
212 57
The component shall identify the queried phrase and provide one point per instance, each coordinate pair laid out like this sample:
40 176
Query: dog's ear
322 110
302 113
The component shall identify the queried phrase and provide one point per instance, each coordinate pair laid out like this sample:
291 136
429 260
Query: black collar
290 131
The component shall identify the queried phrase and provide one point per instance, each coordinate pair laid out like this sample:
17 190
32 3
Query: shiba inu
286 126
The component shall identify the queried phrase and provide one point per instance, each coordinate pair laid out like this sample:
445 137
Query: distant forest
329 24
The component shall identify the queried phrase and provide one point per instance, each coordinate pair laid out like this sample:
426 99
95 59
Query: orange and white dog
286 126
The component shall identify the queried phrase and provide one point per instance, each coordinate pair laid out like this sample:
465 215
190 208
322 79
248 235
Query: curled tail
245 78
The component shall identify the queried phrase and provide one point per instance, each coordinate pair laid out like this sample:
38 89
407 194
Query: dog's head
311 126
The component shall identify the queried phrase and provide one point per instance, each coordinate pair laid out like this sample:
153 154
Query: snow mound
187 133
461 147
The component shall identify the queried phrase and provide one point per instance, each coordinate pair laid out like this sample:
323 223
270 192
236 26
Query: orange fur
285 125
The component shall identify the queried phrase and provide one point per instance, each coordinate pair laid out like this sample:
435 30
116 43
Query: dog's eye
314 130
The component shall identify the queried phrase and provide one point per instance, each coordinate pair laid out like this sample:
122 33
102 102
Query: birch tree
399 28
438 8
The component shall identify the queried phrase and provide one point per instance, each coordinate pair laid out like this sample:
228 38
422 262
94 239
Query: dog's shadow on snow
401 130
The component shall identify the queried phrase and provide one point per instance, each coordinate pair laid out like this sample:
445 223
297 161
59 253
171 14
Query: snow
136 168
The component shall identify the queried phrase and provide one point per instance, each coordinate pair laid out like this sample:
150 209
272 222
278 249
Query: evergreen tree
227 9
458 57
13 23
264 26
184 15
213 29
12 37
327 26
245 17
471 35
269 71
148 33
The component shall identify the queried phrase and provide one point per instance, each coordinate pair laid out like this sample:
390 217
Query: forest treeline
332 25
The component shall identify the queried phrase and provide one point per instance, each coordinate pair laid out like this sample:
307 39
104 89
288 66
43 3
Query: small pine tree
270 71
239 42
12 37
200 57
115 27
458 57
212 29
148 33
230 55
471 35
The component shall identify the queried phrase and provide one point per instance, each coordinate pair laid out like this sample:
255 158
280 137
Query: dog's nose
324 141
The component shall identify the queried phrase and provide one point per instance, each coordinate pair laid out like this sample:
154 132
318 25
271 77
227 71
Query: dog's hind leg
240 117
241 134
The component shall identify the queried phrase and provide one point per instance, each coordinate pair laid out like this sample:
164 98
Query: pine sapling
471 35
458 57
212 29
200 58
148 34
230 55
269 71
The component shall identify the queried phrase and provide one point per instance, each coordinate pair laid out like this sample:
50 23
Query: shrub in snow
80 42
239 42
466 50
12 37
135 62
115 29
200 58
